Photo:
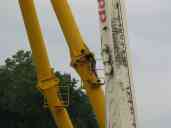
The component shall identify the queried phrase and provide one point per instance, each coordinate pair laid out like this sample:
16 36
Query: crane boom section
47 82
81 58
120 96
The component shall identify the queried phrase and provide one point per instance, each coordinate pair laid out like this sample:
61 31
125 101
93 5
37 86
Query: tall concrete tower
120 103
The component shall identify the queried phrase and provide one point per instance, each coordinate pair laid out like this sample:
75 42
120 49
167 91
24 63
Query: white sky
149 25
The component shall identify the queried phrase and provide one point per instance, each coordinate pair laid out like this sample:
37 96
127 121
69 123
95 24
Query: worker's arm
47 82
82 59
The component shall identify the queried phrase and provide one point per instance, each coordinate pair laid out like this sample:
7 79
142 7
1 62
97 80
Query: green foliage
21 104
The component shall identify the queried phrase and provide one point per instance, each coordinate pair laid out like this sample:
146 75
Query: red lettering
102 12
102 15
101 4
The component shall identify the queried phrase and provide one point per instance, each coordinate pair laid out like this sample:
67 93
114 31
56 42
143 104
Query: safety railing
63 94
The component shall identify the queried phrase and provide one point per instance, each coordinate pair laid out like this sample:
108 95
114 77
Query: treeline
21 104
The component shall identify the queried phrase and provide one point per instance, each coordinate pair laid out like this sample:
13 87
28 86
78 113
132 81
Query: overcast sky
149 23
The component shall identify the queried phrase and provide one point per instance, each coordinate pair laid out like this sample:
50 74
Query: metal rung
63 96
101 69
98 59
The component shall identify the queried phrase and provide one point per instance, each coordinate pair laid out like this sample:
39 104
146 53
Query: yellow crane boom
81 58
47 82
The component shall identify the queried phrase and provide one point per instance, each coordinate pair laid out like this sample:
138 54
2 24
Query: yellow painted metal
82 59
47 82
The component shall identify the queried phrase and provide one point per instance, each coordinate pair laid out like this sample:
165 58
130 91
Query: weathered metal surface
120 103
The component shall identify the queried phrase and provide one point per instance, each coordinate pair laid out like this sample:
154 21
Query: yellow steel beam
47 82
82 59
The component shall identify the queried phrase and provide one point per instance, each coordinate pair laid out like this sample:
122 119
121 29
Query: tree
21 104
